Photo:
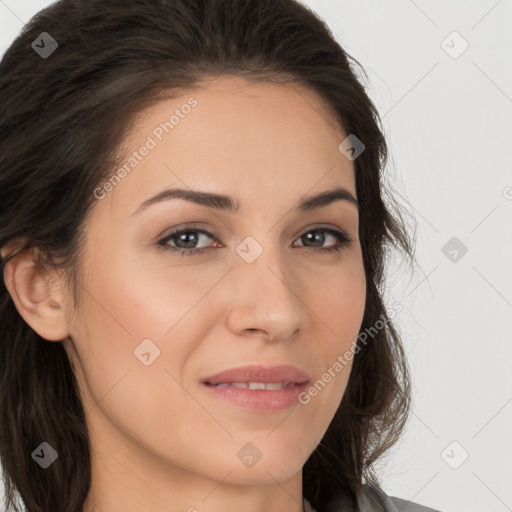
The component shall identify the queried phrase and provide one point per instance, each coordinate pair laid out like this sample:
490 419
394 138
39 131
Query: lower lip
259 399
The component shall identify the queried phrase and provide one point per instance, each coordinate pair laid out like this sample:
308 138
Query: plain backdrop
440 73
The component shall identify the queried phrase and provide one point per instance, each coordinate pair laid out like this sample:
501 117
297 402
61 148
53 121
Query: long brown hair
63 116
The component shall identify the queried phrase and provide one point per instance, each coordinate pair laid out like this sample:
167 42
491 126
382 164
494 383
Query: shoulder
401 505
373 499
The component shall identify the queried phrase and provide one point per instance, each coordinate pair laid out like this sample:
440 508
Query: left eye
190 237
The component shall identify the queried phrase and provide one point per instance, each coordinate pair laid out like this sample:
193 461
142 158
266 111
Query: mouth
255 376
259 397
258 387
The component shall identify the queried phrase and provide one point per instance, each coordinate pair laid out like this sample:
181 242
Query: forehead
255 140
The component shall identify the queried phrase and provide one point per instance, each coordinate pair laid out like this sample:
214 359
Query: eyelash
344 240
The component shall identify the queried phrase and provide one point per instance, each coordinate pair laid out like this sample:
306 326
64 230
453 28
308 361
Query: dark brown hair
62 120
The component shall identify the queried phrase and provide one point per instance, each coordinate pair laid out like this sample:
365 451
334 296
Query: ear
37 293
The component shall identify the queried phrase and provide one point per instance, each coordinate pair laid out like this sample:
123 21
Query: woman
140 372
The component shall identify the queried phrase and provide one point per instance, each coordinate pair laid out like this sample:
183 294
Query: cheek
134 313
120 328
339 309
339 303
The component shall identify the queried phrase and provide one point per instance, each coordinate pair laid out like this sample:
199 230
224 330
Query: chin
264 473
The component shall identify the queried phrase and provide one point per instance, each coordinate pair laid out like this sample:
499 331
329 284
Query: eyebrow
232 205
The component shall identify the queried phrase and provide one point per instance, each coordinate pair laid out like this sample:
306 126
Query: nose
267 298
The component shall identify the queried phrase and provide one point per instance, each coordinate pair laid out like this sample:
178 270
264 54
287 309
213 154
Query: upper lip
259 373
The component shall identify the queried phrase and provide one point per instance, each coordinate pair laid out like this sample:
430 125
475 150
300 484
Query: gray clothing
374 500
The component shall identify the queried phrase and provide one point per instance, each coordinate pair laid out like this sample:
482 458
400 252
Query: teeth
256 385
275 385
240 384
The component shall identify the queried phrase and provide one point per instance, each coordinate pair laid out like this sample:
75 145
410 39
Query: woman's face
155 320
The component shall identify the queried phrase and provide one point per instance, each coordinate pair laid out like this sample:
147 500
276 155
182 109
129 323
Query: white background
448 123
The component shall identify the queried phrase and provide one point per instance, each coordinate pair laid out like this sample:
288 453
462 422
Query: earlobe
37 295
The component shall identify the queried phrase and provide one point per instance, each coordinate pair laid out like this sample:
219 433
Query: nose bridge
267 273
262 260
266 294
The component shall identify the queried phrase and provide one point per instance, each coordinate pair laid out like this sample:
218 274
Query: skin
159 441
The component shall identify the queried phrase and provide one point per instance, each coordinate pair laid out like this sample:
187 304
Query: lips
258 388
286 374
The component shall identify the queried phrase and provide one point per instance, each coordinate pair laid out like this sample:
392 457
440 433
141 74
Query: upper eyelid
214 235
